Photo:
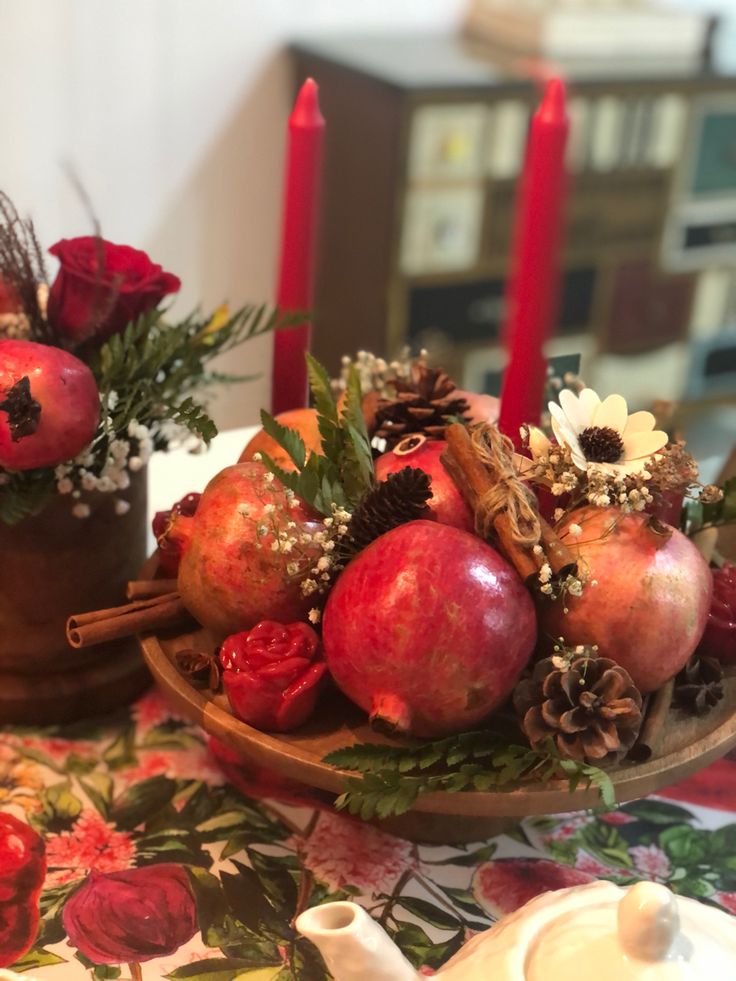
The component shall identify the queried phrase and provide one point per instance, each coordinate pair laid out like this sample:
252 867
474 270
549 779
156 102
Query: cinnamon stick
101 626
560 557
145 588
653 729
474 480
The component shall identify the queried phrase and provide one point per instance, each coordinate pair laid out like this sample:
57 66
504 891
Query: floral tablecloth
166 859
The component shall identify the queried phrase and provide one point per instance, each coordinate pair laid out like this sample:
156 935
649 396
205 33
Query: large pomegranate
649 607
446 503
428 629
49 405
230 574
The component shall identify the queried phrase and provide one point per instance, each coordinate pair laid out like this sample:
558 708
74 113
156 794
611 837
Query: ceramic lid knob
648 922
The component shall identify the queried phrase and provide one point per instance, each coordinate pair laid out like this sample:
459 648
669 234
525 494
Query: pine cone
699 686
400 498
591 708
424 403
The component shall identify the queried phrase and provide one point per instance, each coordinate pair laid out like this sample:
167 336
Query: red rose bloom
272 674
101 287
22 871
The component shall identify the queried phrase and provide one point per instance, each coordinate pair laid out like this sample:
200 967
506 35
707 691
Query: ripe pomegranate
49 405
230 576
446 503
428 629
649 607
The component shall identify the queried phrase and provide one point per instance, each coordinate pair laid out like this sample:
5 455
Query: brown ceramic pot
53 565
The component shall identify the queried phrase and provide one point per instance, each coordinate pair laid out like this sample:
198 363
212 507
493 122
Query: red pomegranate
648 609
428 629
446 503
230 574
49 405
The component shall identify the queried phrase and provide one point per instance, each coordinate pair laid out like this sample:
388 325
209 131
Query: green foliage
23 494
343 474
697 515
393 777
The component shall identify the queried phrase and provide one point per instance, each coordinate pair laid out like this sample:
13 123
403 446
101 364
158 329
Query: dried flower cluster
376 374
313 554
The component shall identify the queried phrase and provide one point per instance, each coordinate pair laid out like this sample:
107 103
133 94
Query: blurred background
172 114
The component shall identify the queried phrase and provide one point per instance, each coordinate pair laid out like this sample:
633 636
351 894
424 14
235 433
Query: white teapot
595 931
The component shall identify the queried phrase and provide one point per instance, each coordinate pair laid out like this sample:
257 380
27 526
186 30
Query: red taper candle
533 283
289 389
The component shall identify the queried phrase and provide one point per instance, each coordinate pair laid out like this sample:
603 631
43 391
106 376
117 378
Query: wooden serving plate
689 745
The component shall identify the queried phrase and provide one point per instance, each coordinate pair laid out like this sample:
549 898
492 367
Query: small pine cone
591 709
699 686
425 403
400 498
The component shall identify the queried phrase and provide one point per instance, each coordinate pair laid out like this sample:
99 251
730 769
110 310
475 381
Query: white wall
173 115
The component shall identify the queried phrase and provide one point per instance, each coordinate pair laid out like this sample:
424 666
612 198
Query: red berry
169 549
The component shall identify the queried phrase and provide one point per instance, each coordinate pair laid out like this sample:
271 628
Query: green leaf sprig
393 777
343 474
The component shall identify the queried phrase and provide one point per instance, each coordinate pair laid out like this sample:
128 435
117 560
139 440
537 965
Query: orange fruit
304 421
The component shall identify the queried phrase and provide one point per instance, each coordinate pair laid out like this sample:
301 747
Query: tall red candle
532 288
289 389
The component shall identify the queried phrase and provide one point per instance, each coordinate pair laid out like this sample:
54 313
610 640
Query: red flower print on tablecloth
651 861
585 862
193 763
616 817
727 900
20 780
91 844
342 852
152 710
502 886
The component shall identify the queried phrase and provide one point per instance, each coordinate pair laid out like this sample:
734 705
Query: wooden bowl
689 744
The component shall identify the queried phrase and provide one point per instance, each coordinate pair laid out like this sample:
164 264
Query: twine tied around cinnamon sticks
507 495
481 463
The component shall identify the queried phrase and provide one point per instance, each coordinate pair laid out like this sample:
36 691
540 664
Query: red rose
101 287
131 916
272 674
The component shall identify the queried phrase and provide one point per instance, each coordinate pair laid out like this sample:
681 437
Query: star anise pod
425 402
699 686
591 708
199 667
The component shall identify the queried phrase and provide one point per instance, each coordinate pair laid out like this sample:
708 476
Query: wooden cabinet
425 143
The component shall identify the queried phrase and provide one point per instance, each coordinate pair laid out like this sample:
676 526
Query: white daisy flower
603 434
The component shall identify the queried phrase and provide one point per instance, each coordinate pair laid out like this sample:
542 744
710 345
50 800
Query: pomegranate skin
446 503
650 606
224 580
67 393
428 629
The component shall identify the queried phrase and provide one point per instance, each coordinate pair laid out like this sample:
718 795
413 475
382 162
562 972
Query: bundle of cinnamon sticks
154 604
476 480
